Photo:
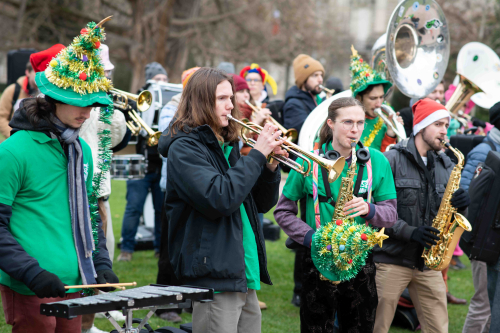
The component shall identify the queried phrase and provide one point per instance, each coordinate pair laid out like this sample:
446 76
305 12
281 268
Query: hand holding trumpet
268 142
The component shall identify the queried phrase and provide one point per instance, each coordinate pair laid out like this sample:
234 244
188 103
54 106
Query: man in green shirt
49 235
369 87
374 202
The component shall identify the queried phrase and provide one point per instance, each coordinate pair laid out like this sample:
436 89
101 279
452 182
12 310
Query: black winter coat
418 201
298 105
202 238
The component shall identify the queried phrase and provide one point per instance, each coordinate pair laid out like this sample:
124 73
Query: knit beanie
495 115
153 69
304 66
186 75
227 67
239 83
334 83
425 112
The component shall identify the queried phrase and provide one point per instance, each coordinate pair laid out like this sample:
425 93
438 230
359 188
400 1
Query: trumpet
328 91
290 133
334 167
143 102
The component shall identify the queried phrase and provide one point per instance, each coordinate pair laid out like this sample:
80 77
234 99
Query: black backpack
483 242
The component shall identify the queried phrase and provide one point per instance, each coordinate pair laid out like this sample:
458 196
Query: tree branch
204 20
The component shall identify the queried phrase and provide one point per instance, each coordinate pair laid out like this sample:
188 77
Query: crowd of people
210 191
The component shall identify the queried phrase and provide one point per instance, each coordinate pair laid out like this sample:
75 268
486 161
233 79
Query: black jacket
298 105
202 236
418 201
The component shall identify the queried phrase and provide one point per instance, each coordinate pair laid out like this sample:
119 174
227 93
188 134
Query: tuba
450 224
478 70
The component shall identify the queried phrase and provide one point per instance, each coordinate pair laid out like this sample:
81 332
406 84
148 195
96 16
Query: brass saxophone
450 224
346 187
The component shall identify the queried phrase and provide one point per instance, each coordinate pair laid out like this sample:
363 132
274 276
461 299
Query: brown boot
453 300
262 305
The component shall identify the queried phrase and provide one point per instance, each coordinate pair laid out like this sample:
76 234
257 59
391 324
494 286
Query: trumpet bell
154 139
144 100
417 46
292 134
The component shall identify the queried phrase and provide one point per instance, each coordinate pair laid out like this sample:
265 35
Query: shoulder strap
17 91
491 144
326 184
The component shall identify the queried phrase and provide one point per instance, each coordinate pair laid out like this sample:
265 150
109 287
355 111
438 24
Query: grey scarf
78 201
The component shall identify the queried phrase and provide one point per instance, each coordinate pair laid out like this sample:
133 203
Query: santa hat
425 112
40 60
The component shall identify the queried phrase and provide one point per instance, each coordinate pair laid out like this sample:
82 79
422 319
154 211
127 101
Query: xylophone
150 297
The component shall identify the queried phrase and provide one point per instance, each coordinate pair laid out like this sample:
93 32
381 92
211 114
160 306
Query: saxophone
346 187
450 224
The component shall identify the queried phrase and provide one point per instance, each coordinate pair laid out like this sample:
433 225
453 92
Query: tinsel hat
339 248
266 78
75 76
363 76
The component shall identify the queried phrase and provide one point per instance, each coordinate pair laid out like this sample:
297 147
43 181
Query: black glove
107 276
425 236
47 284
478 123
460 199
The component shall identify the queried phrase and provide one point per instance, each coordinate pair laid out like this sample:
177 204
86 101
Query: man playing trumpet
369 87
213 197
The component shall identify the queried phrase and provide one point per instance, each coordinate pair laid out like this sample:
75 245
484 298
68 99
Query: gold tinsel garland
378 126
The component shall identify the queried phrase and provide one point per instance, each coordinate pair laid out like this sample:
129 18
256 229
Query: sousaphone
414 57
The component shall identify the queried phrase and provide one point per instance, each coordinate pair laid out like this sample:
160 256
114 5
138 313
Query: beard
312 90
431 141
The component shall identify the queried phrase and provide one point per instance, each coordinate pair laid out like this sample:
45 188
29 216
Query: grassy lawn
280 316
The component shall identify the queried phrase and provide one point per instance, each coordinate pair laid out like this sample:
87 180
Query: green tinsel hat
76 75
362 75
339 249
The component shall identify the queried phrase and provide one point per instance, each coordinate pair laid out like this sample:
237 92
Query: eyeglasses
349 124
253 80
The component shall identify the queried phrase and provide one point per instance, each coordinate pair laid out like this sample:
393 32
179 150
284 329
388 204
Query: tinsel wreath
104 162
340 248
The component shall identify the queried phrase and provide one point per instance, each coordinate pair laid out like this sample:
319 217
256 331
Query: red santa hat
425 112
40 60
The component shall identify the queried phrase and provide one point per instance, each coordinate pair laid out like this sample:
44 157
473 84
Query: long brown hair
197 105
325 134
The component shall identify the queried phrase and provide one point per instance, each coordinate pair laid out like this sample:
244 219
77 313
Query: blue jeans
493 274
137 191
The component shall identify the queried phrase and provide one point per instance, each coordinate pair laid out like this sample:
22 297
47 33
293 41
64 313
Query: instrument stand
129 318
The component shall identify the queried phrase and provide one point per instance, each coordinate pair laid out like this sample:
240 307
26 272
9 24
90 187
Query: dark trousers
299 255
23 313
137 191
355 301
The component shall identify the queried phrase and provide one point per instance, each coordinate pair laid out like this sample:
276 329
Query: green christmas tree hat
362 75
76 75
339 248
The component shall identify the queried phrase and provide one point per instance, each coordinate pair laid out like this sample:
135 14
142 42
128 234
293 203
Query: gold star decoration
380 237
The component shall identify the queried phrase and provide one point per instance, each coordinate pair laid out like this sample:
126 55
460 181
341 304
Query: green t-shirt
252 269
34 181
298 187
370 127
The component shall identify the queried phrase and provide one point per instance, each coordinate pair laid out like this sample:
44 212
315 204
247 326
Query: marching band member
257 77
303 97
47 181
369 87
354 301
421 172
213 197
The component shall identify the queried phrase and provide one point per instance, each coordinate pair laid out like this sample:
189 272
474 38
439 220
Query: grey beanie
334 82
227 67
153 69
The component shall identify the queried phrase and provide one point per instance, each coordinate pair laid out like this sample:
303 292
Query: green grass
280 316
